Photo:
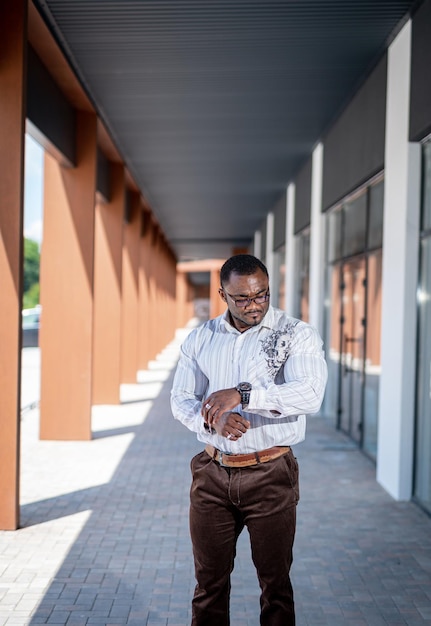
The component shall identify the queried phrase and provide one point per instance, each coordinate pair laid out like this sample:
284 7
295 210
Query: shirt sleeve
188 389
305 376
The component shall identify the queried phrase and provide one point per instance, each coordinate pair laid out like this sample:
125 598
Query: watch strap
244 390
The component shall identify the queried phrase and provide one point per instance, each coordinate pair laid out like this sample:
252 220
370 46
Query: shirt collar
267 321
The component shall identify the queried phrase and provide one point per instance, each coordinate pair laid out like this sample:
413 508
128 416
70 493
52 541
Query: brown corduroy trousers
224 500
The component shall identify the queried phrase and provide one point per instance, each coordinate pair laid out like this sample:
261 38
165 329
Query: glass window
355 225
334 235
354 236
423 428
303 276
375 229
332 339
372 361
278 299
426 210
352 287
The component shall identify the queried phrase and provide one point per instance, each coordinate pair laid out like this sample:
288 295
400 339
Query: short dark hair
242 264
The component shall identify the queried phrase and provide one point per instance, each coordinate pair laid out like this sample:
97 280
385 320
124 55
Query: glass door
332 340
422 483
372 353
422 480
352 343
303 276
354 238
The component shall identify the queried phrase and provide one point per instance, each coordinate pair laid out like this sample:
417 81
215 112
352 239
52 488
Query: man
244 382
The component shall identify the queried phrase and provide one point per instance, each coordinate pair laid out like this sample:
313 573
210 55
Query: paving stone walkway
104 537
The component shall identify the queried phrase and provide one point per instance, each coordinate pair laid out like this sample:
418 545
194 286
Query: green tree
31 297
31 272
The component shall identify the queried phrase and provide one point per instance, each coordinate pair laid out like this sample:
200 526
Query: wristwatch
244 391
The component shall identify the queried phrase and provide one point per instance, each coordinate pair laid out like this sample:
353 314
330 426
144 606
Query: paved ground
104 537
30 387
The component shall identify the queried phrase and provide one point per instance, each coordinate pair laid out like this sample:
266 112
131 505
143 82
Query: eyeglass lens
246 301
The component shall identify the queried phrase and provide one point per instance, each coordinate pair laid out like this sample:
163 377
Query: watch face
244 387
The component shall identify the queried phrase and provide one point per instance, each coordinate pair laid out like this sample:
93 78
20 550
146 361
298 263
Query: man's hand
230 425
219 402
217 413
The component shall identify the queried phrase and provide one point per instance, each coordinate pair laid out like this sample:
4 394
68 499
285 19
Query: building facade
355 260
348 247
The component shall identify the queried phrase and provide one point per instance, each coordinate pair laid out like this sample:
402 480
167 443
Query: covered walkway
104 537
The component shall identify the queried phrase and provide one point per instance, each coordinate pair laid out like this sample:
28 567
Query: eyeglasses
243 302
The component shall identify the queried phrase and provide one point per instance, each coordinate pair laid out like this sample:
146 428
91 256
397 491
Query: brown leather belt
245 460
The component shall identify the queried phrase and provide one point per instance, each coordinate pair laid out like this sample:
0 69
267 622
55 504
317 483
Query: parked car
30 327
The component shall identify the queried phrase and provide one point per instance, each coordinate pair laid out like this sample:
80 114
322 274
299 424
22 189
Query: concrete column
107 291
257 244
270 250
316 242
66 334
290 249
13 35
130 303
399 280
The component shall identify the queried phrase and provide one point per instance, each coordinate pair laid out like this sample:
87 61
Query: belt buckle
220 459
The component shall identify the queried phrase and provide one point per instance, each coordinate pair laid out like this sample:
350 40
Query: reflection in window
423 429
426 208
352 313
278 299
332 339
375 231
355 225
422 486
334 235
303 276
372 348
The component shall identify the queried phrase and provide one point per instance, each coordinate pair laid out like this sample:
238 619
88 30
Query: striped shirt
281 357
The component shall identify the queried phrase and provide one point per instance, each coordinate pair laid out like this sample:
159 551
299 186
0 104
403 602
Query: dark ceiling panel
215 105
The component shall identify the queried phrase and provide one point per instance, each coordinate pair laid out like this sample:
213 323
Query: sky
33 190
